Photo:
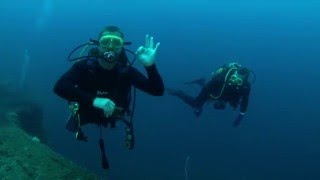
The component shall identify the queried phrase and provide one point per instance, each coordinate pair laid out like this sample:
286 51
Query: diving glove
197 111
238 119
105 104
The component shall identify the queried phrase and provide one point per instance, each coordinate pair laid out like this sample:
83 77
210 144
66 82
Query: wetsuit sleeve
245 100
66 87
152 85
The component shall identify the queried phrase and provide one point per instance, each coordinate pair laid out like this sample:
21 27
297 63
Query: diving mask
111 42
236 79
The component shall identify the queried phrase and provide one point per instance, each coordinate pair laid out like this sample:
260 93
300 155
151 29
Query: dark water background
279 40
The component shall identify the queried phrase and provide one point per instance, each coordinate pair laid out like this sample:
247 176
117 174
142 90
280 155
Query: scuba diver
229 84
98 86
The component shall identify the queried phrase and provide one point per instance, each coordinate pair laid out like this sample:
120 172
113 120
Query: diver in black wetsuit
101 84
229 84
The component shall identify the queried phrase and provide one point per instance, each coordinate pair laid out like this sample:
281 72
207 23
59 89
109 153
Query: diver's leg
76 121
72 124
200 82
183 96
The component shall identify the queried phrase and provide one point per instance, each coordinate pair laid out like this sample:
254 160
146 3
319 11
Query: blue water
278 40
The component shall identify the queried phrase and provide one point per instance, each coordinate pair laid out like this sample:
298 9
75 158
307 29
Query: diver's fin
173 92
201 82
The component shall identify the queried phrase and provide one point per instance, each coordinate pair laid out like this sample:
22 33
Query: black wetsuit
86 80
234 95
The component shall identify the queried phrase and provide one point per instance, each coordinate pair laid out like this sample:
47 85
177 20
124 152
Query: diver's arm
245 100
66 86
152 85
